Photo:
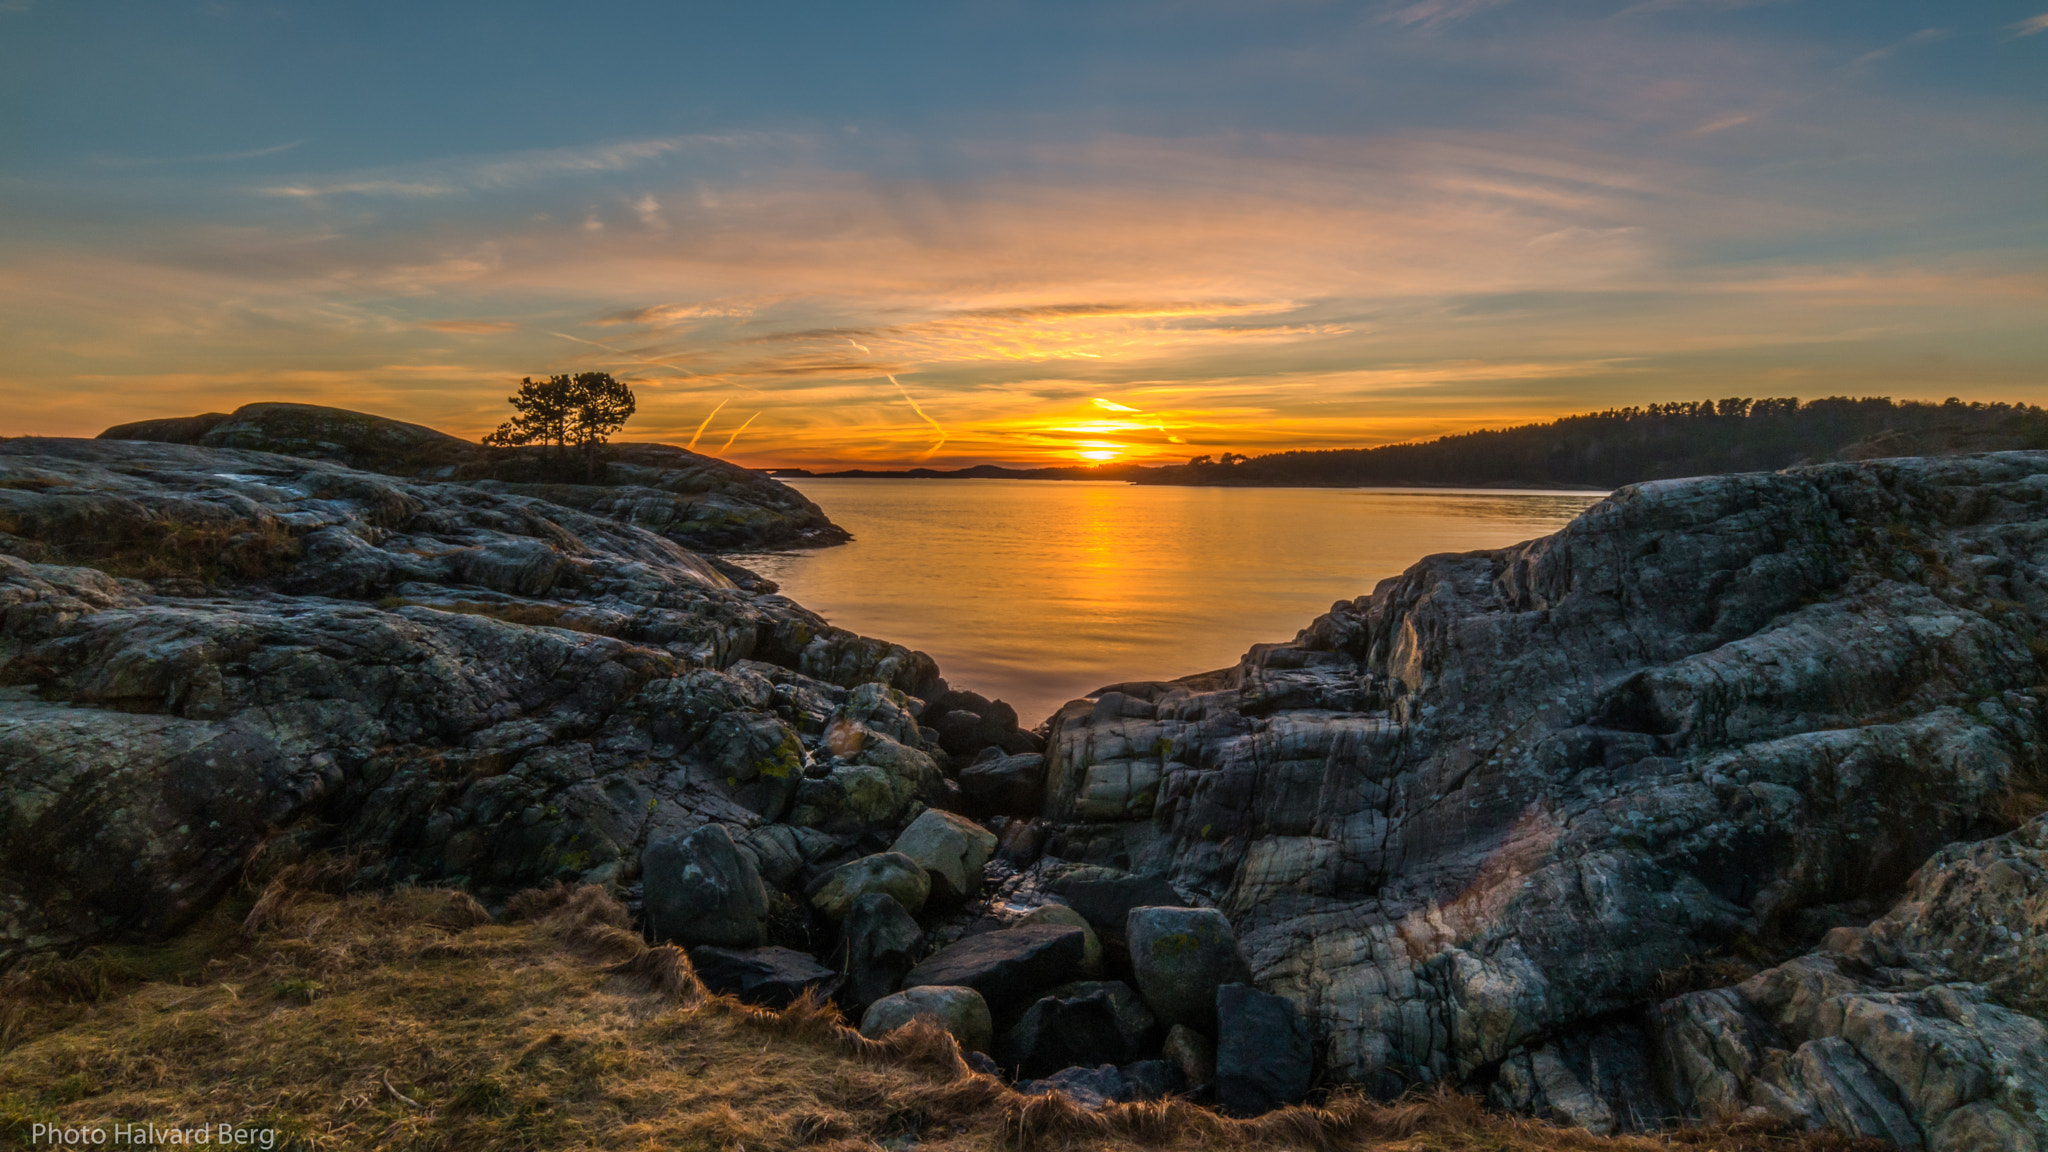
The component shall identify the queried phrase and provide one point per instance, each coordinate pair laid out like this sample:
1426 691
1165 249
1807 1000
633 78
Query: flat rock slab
771 977
1007 967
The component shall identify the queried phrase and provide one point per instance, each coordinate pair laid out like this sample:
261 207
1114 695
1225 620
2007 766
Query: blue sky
963 232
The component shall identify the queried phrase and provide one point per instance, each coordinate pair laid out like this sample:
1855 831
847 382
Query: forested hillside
1625 445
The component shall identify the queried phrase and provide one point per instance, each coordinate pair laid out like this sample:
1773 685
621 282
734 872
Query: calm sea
1037 592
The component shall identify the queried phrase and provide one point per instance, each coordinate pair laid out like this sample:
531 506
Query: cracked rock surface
206 650
1474 823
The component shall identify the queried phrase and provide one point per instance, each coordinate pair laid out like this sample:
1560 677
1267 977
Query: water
1038 592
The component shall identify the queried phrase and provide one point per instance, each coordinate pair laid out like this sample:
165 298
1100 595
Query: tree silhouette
582 410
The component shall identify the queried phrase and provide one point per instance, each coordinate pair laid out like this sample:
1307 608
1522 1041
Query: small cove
1036 592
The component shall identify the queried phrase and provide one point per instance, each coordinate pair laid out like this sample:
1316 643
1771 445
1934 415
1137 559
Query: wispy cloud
506 171
1924 36
1437 13
649 211
470 327
664 314
203 158
409 189
2029 26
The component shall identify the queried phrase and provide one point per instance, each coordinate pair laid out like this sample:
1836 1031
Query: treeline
1660 441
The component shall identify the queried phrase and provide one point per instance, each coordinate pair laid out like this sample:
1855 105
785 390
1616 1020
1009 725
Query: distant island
1593 450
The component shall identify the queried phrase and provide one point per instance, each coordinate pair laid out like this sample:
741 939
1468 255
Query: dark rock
1091 1088
983 1063
700 889
1264 1054
1151 1080
1191 1054
1022 842
1089 1020
1010 785
878 942
1181 956
1106 896
771 977
890 873
1022 743
1007 966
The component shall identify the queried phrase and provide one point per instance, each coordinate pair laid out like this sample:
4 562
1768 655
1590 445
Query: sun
1098 455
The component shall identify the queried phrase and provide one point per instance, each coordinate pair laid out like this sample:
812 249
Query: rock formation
1477 823
699 502
1714 803
206 652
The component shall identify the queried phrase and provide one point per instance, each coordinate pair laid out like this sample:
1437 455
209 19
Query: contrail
936 426
640 358
736 433
859 345
707 423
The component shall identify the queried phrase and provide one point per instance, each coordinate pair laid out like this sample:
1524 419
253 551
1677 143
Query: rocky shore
1720 802
700 502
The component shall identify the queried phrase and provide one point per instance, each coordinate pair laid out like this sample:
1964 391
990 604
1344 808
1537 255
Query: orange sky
1582 210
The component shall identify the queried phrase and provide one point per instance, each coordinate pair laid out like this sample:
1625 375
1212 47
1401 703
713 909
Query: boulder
771 977
1089 1020
1008 967
1191 1053
878 942
962 1012
758 758
951 849
1151 1080
1106 896
1002 784
1091 1088
1091 955
701 889
1181 956
1022 842
1265 1056
890 873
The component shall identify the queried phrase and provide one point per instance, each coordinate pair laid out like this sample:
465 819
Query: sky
834 233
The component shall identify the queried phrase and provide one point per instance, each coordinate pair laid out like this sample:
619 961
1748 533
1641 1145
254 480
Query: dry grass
410 1021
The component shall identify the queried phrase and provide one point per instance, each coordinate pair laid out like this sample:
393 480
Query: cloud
206 158
401 188
1924 36
470 327
2029 26
1722 123
1110 405
649 211
500 172
664 314
1437 13
1649 6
